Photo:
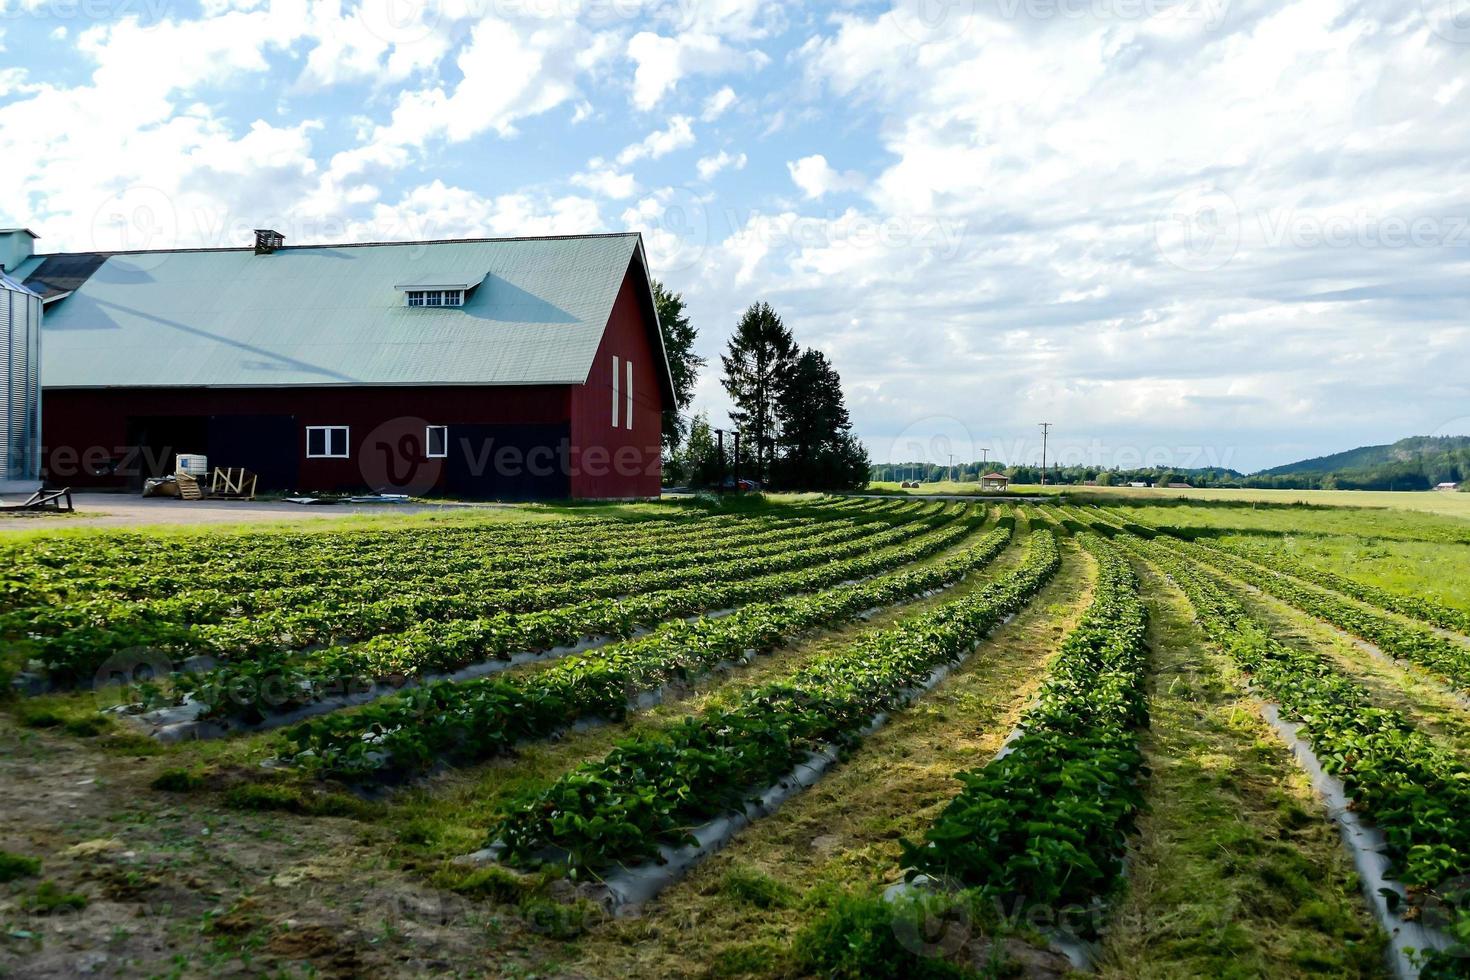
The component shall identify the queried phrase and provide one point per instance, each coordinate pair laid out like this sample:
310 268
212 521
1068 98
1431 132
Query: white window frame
429 442
629 413
346 431
435 298
617 398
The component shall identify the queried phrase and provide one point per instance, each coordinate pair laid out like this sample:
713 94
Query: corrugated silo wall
20 361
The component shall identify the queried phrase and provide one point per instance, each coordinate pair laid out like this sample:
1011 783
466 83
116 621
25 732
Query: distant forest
1416 463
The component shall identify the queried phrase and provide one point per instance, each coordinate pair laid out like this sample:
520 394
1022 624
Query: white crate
191 463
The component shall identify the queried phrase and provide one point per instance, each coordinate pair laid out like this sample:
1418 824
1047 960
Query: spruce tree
756 363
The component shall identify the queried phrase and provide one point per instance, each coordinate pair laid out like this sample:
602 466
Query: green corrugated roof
331 315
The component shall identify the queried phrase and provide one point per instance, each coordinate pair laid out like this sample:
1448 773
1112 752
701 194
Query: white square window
436 441
326 442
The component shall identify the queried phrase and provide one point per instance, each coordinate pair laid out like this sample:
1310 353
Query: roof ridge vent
267 241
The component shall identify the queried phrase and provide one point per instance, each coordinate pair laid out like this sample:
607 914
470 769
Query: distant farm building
995 481
1447 486
490 368
1180 486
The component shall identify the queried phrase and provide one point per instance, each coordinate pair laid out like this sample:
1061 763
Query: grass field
990 739
1428 502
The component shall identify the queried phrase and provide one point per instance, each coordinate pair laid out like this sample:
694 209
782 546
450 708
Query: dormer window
436 293
436 297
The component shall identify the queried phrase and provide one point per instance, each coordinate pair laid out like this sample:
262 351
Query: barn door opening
267 445
154 441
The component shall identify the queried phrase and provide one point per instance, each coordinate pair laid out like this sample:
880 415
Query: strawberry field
876 737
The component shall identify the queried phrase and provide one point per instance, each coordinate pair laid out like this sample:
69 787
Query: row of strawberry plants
1413 789
51 571
1046 822
139 566
1409 641
97 631
312 614
649 791
443 722
1414 607
279 682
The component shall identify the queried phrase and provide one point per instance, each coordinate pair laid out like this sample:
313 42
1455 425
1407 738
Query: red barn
513 368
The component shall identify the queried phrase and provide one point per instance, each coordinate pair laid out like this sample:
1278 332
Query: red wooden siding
86 430
620 462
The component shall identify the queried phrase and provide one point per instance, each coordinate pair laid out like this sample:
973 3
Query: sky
1184 232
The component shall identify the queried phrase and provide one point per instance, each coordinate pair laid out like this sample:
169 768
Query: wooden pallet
236 483
189 487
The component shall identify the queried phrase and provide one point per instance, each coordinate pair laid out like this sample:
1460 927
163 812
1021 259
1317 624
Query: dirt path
179 885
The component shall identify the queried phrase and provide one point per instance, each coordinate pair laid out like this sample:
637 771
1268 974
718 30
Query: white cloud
709 166
816 177
678 135
718 104
508 74
435 210
663 61
12 80
607 182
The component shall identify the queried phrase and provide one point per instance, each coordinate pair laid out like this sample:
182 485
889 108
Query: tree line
1423 474
795 432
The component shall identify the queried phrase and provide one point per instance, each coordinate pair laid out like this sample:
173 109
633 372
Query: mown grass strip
1413 790
1416 644
1232 872
1414 607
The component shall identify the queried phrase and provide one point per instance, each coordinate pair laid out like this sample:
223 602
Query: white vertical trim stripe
615 392
630 393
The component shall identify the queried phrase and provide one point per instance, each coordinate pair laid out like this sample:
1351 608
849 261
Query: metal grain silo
20 386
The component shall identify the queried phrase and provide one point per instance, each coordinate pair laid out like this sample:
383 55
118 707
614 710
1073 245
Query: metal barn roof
11 285
331 315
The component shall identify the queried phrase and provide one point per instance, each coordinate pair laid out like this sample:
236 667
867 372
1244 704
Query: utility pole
720 435
951 467
985 459
1045 428
737 460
